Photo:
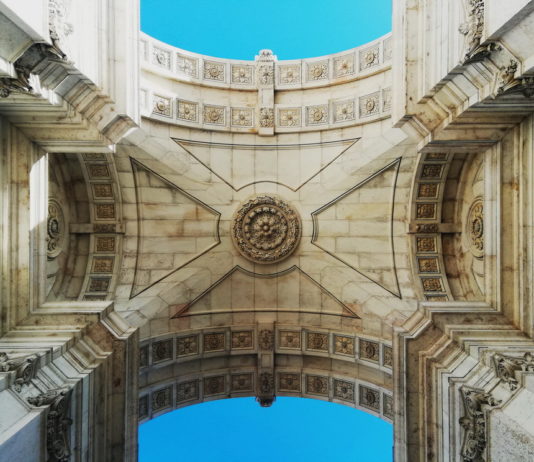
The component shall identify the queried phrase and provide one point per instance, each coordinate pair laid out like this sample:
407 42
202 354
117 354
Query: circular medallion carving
475 223
55 229
266 229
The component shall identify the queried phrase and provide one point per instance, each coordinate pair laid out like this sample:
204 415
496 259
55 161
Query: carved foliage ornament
24 368
506 367
57 422
266 117
473 28
266 229
58 26
474 423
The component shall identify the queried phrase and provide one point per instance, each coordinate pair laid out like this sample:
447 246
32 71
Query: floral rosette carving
266 229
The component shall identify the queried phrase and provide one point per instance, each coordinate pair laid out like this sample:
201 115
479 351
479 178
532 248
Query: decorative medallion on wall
55 229
266 229
475 228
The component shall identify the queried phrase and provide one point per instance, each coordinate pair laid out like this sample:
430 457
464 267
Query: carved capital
57 422
474 423
507 366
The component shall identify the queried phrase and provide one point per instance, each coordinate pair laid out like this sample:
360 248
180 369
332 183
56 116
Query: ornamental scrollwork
506 367
24 369
57 422
473 28
266 339
474 423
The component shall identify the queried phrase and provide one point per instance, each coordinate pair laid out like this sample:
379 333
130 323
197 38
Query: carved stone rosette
266 229
57 422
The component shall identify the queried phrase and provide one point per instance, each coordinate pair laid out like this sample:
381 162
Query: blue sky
239 430
292 430
293 29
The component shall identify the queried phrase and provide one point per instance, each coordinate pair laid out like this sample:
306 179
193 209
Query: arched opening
238 430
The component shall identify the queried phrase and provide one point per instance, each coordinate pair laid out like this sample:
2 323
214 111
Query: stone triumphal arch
355 227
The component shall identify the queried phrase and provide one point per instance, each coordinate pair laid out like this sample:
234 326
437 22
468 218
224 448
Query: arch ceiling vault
354 227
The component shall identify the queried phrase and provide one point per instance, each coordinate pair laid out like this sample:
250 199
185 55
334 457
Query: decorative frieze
344 345
266 117
242 117
317 341
289 74
187 65
317 385
161 351
161 399
187 345
289 339
387 406
187 110
266 339
369 350
161 106
290 117
369 57
242 340
317 115
370 104
214 341
242 383
344 111
161 57
187 391
289 382
344 65
317 71
213 71
214 115
242 74
369 398
214 385
344 390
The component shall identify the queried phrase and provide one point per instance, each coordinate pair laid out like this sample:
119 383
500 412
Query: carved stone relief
57 422
475 228
474 423
24 368
266 229
507 366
